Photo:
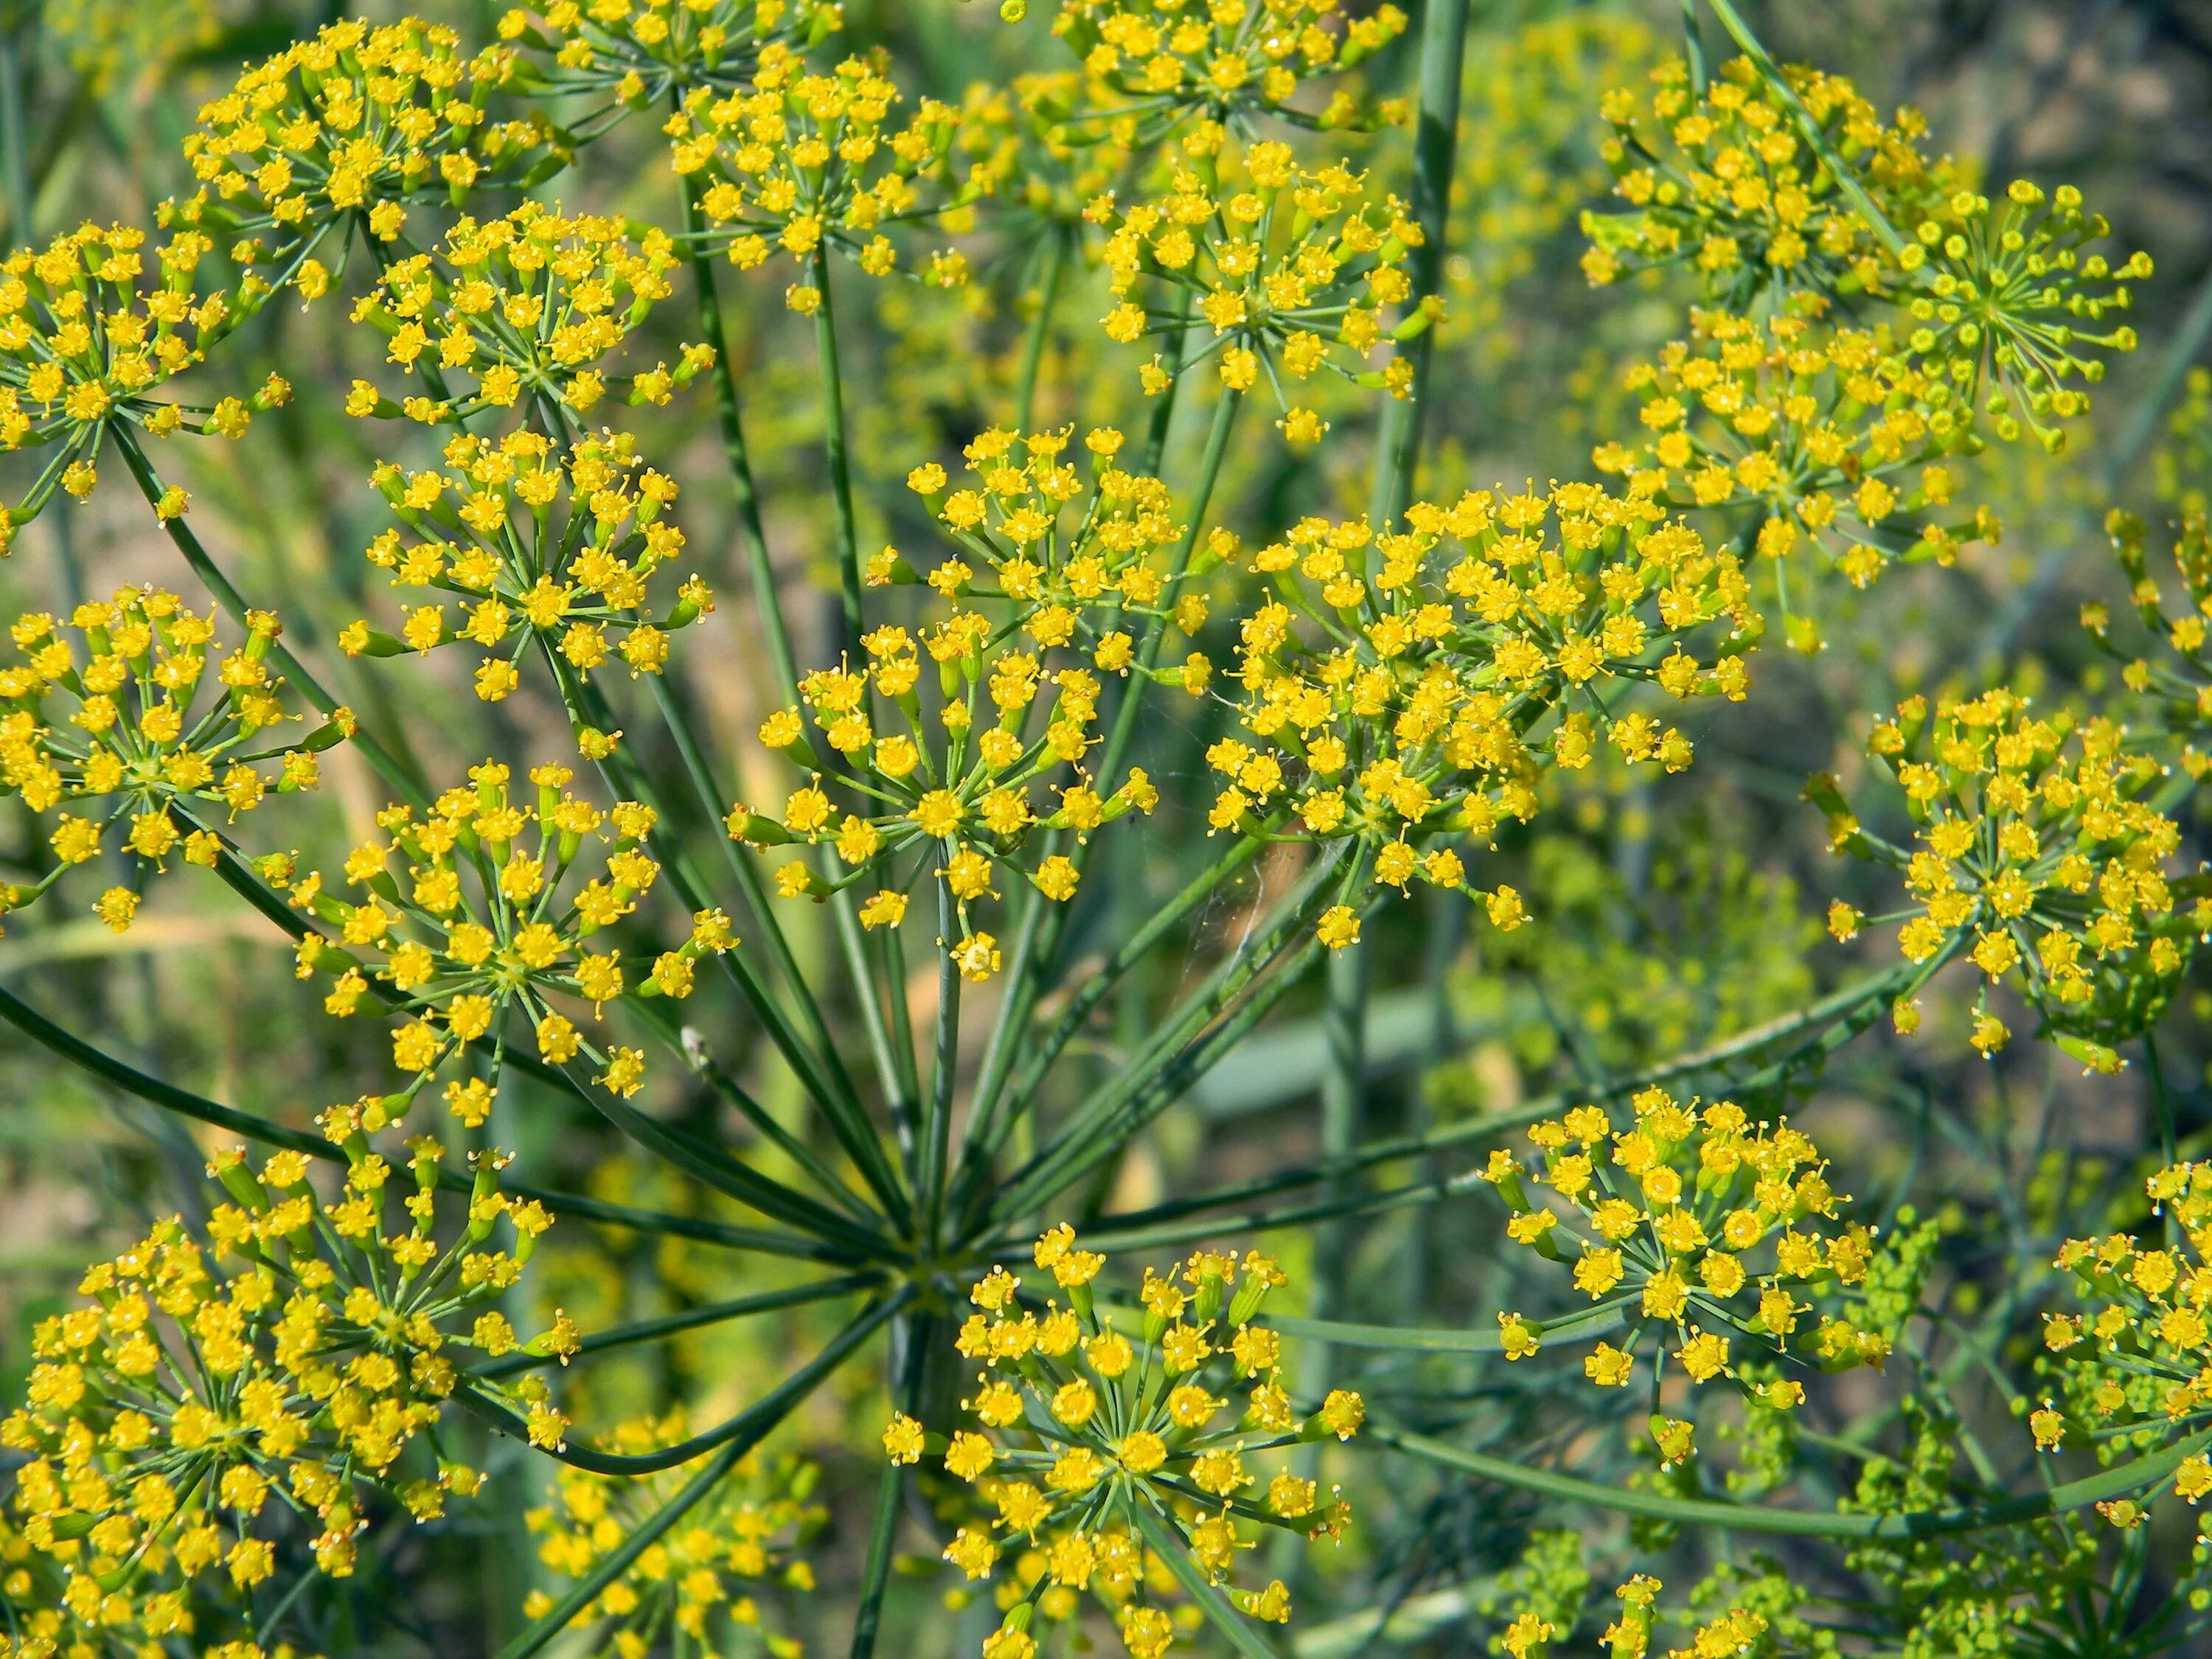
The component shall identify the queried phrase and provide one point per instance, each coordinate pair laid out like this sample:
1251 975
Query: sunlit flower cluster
1284 269
88 335
199 1410
542 547
1150 67
474 921
1998 301
943 792
1073 558
1698 1225
2036 853
1828 434
1097 1448
701 1577
802 162
1727 182
141 731
1394 681
2133 1366
639 52
527 307
352 126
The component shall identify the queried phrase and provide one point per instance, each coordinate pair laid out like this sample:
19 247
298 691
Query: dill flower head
802 162
2133 1362
1698 1226
1828 434
1729 183
142 721
198 1409
1405 688
1289 267
2174 674
639 52
528 307
88 334
350 128
1074 561
1150 67
955 793
2035 853
704 1576
484 912
2001 308
554 551
1098 1445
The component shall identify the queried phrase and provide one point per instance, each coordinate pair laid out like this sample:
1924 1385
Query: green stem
985 1136
937 1123
747 876
1156 1068
1436 145
883 1532
767 599
401 779
2115 1482
1041 328
1343 1089
1838 1012
841 474
758 1422
691 1319
155 1091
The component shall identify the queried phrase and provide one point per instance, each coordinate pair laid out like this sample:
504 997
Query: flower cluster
495 923
1823 432
1800 186
804 162
1150 67
352 126
1098 1447
195 1413
86 338
2176 672
551 548
749 1529
2035 853
1729 183
1289 268
1694 1223
1070 560
947 790
1393 682
527 305
640 52
144 722
2133 1366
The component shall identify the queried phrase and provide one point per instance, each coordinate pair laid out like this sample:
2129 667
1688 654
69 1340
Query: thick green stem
2115 1482
1343 1089
937 1122
1040 331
